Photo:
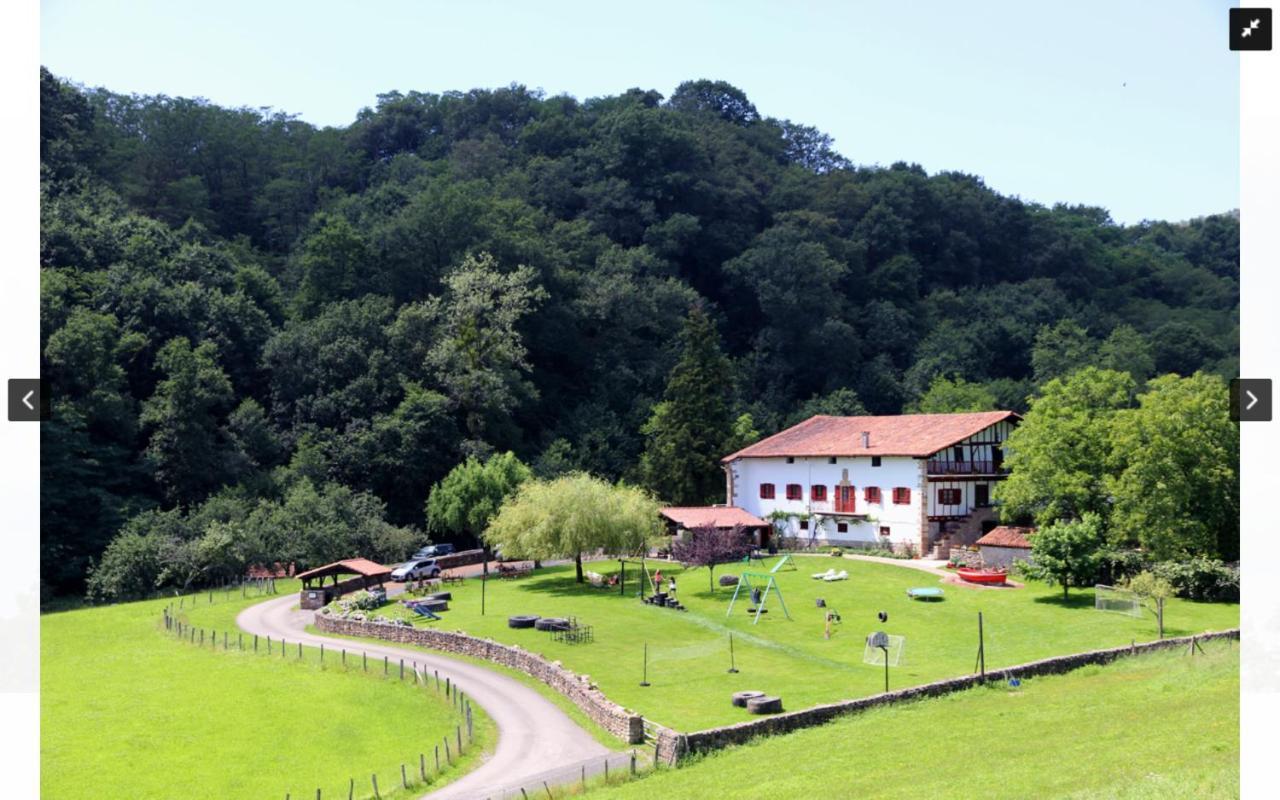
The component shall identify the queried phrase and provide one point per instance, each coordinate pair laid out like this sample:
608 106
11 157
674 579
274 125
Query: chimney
866 440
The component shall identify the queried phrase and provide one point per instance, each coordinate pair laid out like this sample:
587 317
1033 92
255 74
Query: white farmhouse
917 482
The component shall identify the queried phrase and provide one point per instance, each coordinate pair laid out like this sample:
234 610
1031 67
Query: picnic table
505 571
449 577
925 593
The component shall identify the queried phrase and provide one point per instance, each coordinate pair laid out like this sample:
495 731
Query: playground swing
758 592
645 576
654 596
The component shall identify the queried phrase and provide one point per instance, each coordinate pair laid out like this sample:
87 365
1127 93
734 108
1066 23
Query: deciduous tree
709 546
571 515
1068 552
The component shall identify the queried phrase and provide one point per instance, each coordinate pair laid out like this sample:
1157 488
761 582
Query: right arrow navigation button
1251 399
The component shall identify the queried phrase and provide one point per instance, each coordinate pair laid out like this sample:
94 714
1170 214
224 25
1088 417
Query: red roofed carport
315 594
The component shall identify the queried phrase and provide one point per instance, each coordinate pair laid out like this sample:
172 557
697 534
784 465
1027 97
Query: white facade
947 494
869 524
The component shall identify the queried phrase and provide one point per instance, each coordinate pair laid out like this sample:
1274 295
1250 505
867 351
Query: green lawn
129 711
689 652
1155 727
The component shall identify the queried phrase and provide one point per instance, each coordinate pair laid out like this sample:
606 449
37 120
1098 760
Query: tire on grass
552 624
522 621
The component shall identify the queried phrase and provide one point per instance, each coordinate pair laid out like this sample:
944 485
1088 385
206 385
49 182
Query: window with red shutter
818 492
766 491
902 496
794 492
871 494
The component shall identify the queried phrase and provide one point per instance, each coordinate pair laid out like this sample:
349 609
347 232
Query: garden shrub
1202 578
1118 566
364 600
837 552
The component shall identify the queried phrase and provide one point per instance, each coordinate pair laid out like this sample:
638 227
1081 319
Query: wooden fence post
404 777
437 758
422 766
351 790
375 786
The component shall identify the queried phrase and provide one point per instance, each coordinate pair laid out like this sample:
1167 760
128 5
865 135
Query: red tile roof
718 516
349 566
1007 536
917 435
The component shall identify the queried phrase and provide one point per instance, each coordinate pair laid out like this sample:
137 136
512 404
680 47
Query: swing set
758 592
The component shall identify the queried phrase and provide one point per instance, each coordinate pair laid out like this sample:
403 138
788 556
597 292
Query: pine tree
690 429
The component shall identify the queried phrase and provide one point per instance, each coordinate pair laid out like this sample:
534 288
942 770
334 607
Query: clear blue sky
1129 105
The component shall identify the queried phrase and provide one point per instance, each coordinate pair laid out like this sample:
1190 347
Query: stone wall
672 747
578 689
461 559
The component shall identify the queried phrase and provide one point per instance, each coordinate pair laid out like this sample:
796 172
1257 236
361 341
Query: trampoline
925 593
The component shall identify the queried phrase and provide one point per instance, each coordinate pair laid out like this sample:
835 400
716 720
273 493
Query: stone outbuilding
1003 545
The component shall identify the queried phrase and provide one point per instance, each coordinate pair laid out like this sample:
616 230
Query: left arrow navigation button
28 400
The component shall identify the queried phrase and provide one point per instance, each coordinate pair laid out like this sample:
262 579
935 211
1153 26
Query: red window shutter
766 491
818 492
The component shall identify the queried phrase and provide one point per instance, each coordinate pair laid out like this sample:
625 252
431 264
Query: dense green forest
269 340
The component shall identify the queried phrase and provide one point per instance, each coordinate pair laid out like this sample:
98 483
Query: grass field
1156 727
689 651
130 711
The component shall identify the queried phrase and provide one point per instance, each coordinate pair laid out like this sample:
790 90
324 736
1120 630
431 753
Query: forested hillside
269 340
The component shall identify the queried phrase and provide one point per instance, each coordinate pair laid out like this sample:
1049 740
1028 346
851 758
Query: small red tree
708 546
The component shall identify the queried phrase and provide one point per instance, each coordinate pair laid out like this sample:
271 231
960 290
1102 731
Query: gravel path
533 734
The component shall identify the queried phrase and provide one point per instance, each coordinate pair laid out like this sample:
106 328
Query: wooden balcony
939 467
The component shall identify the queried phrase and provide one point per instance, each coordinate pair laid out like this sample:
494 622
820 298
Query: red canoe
982 575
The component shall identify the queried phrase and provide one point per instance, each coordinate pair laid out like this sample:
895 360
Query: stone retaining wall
672 746
622 723
461 558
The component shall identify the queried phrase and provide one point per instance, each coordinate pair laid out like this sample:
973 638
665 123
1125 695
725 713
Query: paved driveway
533 734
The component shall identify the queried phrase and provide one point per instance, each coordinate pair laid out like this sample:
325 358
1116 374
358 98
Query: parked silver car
416 570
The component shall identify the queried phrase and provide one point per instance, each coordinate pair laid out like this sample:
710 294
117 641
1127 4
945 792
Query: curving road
533 734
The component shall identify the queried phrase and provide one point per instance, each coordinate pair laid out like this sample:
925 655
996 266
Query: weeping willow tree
571 515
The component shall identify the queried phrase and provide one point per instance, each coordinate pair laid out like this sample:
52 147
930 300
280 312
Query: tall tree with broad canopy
689 429
1068 552
709 546
479 355
1175 462
571 515
189 445
1058 455
472 494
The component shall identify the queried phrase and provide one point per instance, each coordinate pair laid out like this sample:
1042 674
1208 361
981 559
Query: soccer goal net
1120 601
876 655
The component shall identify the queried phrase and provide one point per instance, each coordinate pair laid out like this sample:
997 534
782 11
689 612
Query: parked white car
416 570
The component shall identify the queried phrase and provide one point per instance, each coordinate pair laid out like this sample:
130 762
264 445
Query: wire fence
413 774
571 779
